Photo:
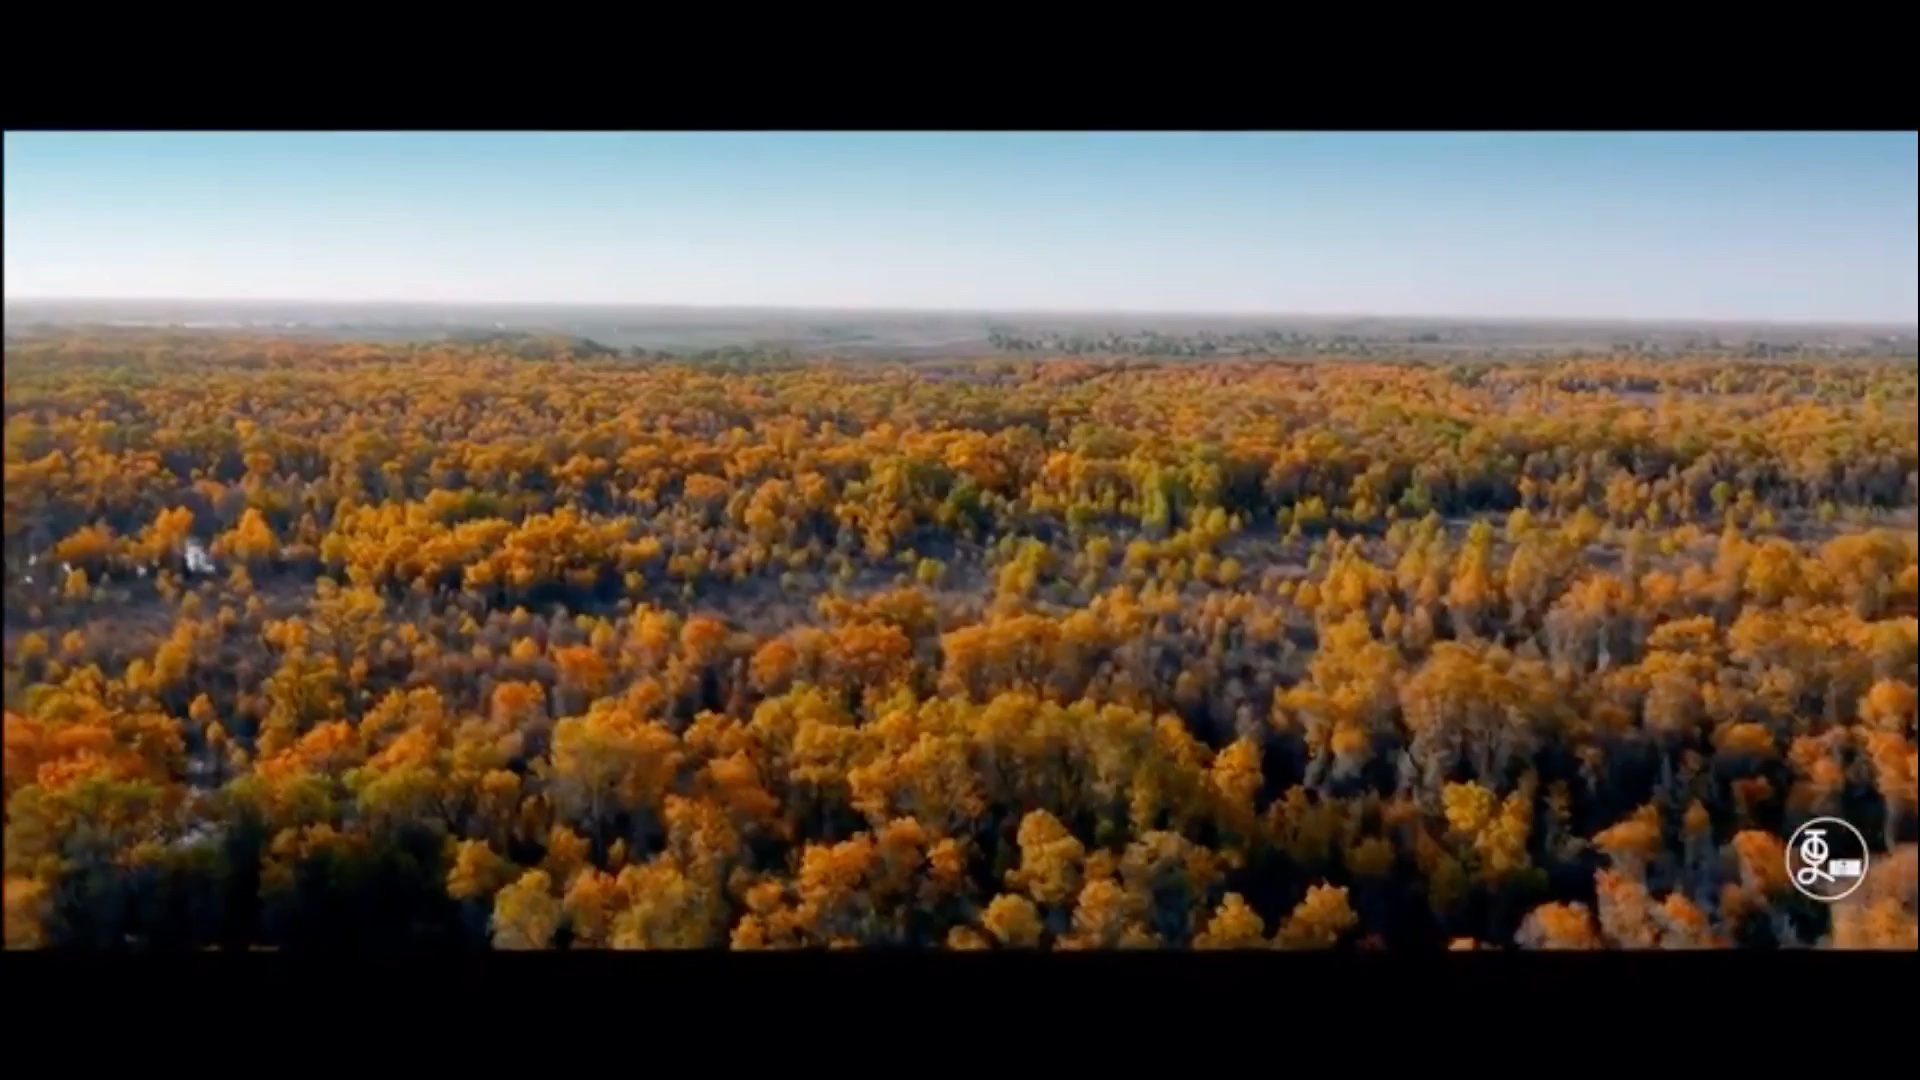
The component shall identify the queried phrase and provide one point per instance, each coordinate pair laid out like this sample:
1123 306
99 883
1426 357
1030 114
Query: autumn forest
313 644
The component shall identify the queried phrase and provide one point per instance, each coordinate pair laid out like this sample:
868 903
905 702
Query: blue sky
1781 227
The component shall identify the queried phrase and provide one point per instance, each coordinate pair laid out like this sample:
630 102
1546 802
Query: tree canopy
541 648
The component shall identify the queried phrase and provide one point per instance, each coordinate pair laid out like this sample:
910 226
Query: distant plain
934 334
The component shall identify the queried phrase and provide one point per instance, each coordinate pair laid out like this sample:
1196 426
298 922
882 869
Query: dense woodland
314 645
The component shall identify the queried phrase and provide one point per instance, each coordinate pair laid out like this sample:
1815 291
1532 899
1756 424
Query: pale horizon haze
1807 228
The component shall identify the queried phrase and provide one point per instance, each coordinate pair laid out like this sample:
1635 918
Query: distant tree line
1153 343
1300 343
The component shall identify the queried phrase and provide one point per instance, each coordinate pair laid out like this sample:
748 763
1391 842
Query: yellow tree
1234 926
526 914
1013 921
1559 926
1318 921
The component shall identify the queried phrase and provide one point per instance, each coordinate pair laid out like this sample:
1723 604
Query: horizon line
1548 320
